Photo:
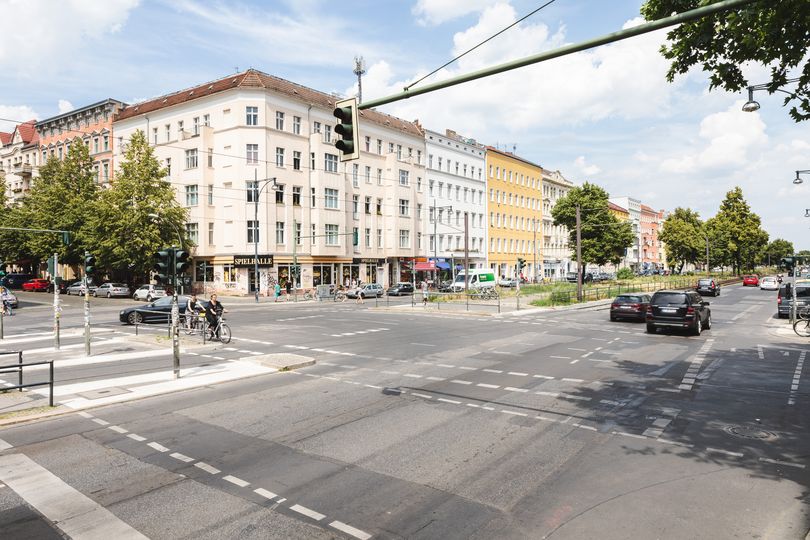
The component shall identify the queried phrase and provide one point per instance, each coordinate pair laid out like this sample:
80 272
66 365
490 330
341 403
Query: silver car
77 288
149 292
112 289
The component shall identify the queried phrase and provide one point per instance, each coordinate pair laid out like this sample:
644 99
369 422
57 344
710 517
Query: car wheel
135 318
709 322
148 297
134 296
95 295
698 327
109 295
650 328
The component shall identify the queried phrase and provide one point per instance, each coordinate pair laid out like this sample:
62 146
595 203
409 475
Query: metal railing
18 367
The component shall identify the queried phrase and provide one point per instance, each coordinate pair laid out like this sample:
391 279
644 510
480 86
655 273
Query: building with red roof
19 160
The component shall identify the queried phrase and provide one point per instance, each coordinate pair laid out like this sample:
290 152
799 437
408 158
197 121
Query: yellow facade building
622 213
515 205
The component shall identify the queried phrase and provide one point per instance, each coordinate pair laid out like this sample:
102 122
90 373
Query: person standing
360 295
276 292
288 286
424 292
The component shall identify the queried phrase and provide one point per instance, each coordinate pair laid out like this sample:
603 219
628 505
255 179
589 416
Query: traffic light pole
56 307
579 256
86 310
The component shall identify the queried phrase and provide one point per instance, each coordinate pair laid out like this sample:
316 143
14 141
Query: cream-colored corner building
221 143
556 250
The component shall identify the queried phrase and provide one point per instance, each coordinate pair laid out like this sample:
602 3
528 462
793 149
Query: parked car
400 289
630 306
678 309
158 311
479 278
769 283
707 286
784 298
37 285
9 297
571 277
508 282
15 280
752 280
604 276
77 288
149 292
370 290
112 289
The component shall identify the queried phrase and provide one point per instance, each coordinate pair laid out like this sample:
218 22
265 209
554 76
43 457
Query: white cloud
584 168
65 106
44 33
434 12
11 115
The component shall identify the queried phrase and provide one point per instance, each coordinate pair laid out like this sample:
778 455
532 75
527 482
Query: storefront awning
425 266
443 265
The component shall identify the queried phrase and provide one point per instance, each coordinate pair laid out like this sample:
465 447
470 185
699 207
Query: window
191 158
280 123
368 205
195 125
404 207
179 130
206 120
193 233
331 198
379 151
367 237
327 133
279 232
168 166
252 190
297 125
399 152
252 116
356 238
419 211
440 163
210 157
296 160
379 208
252 232
210 194
280 194
419 184
316 127
106 142
312 197
355 206
430 187
279 157
331 232
191 195
297 233
154 139
330 163
296 195
105 171
312 236
432 243
379 177
355 174
252 153
390 148
404 179
368 174
419 240
312 161
368 143
404 238
168 128
379 238
210 234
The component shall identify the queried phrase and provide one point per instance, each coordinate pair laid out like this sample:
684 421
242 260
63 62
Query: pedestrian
289 289
346 282
424 292
276 292
354 283
360 296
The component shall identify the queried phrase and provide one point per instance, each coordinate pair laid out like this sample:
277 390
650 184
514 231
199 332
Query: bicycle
221 329
802 324
196 323
339 296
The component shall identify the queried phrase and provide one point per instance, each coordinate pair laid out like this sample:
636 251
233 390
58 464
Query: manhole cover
750 432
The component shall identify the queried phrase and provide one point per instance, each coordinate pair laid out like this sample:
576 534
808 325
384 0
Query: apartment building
650 245
632 256
456 187
93 124
556 250
514 190
252 157
19 160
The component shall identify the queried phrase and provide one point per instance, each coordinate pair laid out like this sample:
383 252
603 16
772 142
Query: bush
624 273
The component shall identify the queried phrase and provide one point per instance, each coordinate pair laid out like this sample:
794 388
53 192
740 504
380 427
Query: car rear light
690 311
778 300
614 306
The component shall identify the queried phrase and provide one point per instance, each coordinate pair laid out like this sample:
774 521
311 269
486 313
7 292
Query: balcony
22 169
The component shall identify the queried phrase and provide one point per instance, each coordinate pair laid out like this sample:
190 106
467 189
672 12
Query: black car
571 277
678 309
630 306
158 311
400 289
784 298
707 287
15 280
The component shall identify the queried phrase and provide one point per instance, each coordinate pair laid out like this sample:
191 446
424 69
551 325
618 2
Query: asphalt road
430 425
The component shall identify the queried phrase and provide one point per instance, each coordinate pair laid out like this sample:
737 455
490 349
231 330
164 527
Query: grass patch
26 412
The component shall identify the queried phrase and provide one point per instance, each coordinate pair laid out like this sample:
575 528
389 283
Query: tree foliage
735 235
768 32
777 249
139 214
683 237
604 236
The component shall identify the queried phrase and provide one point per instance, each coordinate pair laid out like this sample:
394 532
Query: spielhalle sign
247 261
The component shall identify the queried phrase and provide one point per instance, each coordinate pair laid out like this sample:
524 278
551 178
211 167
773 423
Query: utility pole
707 255
579 256
294 272
256 282
534 251
56 308
467 257
86 309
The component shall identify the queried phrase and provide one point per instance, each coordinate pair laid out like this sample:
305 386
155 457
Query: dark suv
15 281
678 309
708 286
784 298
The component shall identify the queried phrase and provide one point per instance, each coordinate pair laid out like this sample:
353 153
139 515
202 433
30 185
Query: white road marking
573 349
446 365
797 374
85 414
4 445
574 361
492 370
75 514
181 457
372 386
513 389
118 429
467 368
100 422
572 380
264 493
543 377
436 379
157 446
207 468
449 401
726 452
307 512
421 395
457 381
484 385
518 373
412 375
348 529
514 413
234 480
136 437
779 462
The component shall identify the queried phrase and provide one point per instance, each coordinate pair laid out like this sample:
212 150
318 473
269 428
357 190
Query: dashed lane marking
157 446
797 375
264 493
348 529
307 512
780 462
181 457
237 481
136 437
207 468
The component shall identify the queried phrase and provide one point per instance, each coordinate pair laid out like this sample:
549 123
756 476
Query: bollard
20 374
50 401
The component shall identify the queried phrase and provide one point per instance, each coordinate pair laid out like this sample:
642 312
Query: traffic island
281 361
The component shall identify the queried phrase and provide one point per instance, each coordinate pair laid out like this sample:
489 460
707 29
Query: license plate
625 307
668 310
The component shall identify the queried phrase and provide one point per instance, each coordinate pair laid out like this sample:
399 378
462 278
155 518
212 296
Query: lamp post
798 179
256 193
751 105
436 237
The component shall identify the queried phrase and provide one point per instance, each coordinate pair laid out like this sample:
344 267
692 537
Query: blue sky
606 115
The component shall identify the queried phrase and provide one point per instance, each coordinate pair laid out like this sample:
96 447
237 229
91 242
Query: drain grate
750 432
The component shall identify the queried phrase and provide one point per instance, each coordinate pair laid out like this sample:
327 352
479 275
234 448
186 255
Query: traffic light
66 238
182 260
348 129
786 263
520 264
162 260
89 265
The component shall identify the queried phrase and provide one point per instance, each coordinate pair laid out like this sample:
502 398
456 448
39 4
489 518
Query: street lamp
257 192
436 238
798 180
751 105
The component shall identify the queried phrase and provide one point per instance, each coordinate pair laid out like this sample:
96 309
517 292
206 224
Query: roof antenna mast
359 70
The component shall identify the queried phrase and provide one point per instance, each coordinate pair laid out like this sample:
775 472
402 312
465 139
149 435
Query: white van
480 278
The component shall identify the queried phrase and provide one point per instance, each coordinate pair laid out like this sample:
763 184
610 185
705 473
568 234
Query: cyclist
193 308
213 312
6 304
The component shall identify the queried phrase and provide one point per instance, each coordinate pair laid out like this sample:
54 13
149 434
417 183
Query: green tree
63 197
777 249
139 214
735 234
683 237
604 236
768 32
